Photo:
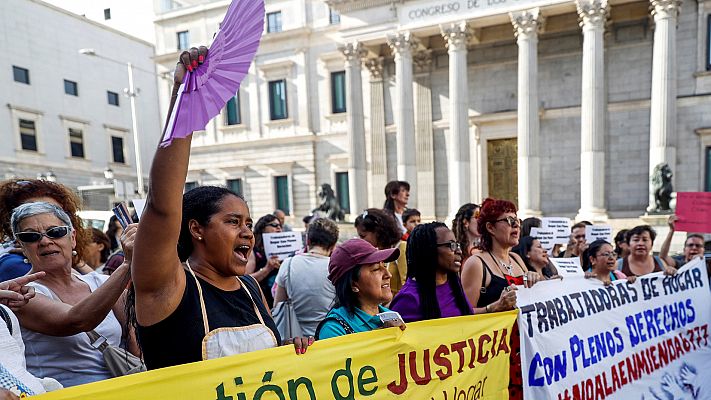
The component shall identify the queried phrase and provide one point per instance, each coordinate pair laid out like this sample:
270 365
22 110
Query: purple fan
207 88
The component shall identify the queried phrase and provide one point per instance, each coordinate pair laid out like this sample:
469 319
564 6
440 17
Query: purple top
407 302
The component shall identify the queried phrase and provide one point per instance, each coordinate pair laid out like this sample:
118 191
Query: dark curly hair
491 210
259 229
99 237
16 192
387 231
422 266
465 213
199 204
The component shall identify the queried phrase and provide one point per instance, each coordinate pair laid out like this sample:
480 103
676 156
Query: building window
28 135
183 40
274 22
234 116
21 75
113 98
277 100
76 142
235 185
71 88
333 17
338 92
708 43
344 198
707 185
107 13
190 186
281 192
117 150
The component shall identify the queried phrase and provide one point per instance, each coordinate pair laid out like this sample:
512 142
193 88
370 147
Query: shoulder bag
118 361
284 313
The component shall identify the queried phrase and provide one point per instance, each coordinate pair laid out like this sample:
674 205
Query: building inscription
420 13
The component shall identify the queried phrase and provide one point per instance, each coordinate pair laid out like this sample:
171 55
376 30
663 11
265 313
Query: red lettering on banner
644 362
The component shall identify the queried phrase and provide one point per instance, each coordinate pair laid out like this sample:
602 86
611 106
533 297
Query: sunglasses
274 225
512 221
454 246
53 233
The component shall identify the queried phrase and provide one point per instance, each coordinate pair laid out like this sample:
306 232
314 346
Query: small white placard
595 232
282 244
545 236
561 226
568 267
139 205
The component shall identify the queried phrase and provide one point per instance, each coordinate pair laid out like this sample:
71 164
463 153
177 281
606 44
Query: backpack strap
6 317
333 317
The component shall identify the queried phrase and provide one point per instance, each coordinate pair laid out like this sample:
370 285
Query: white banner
568 267
282 244
561 226
647 340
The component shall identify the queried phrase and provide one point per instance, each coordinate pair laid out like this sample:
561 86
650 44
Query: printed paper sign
694 212
139 205
439 359
568 267
562 227
282 244
545 236
595 232
643 340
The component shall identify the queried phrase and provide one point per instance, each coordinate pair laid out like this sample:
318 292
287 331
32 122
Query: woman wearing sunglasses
433 289
67 305
262 268
600 262
490 277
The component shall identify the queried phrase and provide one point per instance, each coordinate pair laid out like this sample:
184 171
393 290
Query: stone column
593 16
378 142
403 45
457 36
422 61
357 178
526 25
662 126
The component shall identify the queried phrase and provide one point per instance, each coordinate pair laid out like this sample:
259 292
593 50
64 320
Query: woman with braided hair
433 289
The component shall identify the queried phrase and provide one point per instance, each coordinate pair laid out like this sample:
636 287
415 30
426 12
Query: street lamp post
131 92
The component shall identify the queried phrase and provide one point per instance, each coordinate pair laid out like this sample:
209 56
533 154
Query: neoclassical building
563 106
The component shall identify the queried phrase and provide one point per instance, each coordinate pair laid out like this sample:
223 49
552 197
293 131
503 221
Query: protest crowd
193 280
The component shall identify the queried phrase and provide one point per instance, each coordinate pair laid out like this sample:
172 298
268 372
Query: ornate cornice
456 34
402 43
527 23
666 8
592 12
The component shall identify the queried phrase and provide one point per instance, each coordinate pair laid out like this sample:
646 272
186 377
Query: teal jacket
360 321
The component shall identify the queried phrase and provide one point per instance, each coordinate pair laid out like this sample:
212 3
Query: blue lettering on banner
648 324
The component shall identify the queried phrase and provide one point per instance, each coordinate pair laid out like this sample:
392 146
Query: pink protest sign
694 212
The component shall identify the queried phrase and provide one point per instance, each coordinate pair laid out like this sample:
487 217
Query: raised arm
156 270
51 317
666 244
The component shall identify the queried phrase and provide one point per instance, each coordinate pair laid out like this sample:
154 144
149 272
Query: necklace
509 266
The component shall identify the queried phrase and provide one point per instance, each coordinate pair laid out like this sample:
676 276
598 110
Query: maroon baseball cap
355 252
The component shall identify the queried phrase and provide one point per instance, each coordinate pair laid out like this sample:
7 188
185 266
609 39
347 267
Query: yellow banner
463 358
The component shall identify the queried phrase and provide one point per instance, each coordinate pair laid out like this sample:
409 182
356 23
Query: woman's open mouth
242 252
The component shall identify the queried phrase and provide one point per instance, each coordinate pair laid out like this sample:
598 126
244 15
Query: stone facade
409 67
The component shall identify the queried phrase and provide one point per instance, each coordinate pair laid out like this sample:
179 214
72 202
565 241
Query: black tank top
178 338
491 293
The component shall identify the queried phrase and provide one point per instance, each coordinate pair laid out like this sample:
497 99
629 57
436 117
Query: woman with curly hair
464 228
14 193
380 229
433 289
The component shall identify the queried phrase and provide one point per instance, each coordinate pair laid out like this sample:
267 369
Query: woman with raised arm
193 298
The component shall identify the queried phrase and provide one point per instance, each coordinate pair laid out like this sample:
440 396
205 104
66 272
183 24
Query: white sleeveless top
70 359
